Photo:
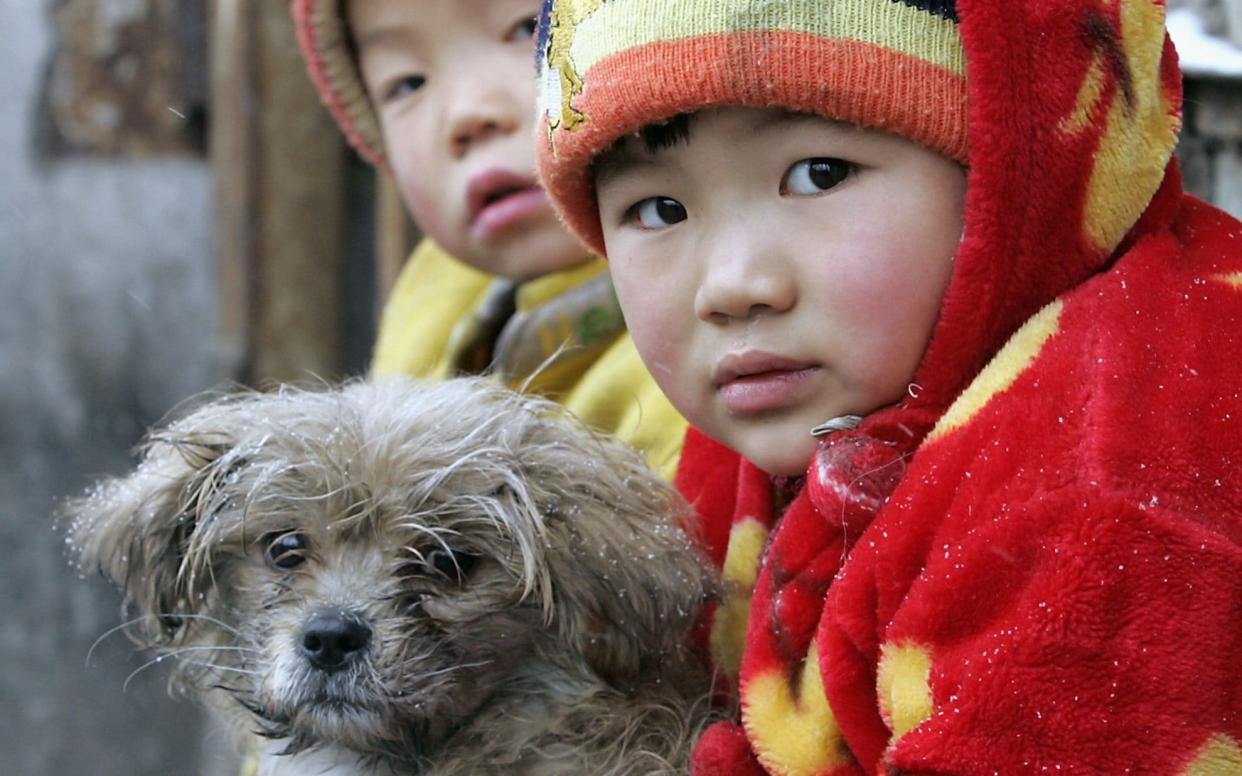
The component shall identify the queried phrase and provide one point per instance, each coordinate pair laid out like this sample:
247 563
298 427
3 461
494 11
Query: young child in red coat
966 361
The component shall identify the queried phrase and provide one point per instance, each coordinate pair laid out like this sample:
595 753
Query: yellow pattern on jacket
612 392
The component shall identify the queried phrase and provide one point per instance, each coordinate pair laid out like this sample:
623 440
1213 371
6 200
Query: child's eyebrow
382 36
775 119
622 162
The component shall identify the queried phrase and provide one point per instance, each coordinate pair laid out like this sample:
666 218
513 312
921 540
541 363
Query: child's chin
527 254
781 455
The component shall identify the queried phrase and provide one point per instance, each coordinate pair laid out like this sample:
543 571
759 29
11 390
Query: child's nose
477 114
744 278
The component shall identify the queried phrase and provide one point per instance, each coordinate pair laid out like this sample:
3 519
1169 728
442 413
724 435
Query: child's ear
138 530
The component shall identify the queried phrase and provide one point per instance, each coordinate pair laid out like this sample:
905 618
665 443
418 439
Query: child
928 269
439 94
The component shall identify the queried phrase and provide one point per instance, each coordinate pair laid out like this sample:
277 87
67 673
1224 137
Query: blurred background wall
177 213
1209 38
107 298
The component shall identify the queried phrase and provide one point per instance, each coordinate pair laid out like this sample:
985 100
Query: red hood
1073 112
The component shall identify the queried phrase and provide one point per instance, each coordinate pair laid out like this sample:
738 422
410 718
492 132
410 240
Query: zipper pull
839 423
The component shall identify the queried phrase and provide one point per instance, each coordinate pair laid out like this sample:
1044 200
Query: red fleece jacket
1034 565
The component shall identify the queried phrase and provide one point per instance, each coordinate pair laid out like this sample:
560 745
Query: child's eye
657 212
815 176
404 87
524 30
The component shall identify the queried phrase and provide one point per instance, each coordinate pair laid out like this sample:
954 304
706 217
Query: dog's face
367 567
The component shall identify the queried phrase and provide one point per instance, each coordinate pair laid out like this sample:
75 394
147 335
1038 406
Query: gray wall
1211 142
106 321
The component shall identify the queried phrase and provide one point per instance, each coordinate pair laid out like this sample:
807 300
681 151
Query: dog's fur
402 578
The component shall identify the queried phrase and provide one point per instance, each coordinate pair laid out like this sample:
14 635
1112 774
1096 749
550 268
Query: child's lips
508 210
755 382
498 198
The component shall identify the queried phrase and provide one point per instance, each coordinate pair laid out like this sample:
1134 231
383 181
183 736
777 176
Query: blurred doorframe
232 147
395 236
287 210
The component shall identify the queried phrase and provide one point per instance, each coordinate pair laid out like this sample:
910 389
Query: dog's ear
138 530
627 584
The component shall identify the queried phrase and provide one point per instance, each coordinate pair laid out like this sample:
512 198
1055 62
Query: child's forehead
378 22
411 21
663 138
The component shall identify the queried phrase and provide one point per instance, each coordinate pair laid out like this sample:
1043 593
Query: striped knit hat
607 68
323 36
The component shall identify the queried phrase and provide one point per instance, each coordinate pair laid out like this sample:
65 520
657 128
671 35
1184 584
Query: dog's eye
286 550
452 564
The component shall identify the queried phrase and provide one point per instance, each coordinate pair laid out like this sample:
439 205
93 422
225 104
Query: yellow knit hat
607 68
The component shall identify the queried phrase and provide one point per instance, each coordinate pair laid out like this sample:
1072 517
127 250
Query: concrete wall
1211 142
106 321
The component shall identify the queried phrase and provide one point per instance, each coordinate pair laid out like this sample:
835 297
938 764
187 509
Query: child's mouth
501 194
755 383
498 199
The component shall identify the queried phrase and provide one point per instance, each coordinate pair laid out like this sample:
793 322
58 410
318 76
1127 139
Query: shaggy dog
412 579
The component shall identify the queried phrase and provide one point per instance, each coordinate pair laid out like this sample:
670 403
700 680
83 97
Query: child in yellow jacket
439 95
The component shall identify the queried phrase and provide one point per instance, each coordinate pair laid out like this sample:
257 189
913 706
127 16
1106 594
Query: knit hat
323 36
608 68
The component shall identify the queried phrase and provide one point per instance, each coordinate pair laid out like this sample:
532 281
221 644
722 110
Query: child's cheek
659 330
426 208
420 175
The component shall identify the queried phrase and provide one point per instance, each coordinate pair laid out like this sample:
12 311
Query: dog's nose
331 641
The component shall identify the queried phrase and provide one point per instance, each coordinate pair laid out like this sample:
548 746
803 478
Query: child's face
453 84
777 270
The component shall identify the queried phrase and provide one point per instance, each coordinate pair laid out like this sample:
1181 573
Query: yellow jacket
560 335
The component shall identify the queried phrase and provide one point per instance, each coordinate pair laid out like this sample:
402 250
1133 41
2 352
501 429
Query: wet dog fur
410 578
